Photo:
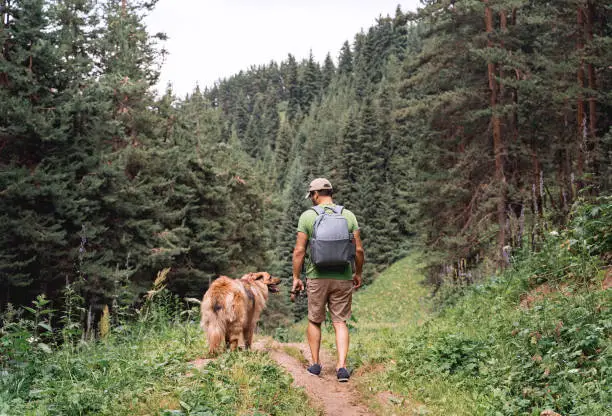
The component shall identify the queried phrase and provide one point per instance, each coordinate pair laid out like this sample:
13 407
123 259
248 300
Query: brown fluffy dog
231 308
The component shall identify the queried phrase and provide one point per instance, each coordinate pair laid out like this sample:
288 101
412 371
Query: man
331 287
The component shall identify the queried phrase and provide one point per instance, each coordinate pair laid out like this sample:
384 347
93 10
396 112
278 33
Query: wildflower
554 233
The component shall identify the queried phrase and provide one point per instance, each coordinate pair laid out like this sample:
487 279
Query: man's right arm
299 252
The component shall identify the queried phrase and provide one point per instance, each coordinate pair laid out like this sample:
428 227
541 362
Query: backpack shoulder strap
338 209
318 210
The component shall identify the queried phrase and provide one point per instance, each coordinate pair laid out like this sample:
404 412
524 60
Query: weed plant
138 368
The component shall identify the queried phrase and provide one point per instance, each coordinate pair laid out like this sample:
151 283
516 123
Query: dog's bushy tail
216 312
215 337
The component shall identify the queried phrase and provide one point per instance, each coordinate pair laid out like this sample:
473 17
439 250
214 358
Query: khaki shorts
336 294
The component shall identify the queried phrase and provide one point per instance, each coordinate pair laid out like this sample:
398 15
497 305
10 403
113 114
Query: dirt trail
324 391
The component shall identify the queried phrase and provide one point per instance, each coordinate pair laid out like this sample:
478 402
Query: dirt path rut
325 392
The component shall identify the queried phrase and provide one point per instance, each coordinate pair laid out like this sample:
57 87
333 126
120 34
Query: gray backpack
332 245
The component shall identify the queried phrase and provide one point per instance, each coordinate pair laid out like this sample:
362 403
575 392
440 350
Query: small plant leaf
45 348
45 326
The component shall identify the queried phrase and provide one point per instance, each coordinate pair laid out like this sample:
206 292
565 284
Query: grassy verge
487 355
145 370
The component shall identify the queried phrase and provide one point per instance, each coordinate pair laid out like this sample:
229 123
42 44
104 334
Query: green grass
476 351
145 370
389 309
295 353
510 360
481 353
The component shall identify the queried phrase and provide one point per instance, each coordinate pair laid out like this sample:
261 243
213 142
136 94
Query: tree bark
580 120
592 133
4 12
498 145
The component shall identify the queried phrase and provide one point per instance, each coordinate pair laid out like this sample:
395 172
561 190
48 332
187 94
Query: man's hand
356 281
297 287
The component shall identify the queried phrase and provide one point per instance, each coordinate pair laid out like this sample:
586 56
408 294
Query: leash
294 294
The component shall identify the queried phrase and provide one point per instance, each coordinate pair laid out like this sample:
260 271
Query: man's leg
317 297
342 343
313 334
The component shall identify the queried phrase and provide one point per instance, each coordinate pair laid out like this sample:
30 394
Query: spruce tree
345 60
289 69
310 83
327 73
284 144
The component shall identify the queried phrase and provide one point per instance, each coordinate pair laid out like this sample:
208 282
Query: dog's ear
260 275
248 276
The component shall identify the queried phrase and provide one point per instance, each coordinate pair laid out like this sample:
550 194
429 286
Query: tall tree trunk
592 87
580 120
537 202
4 12
498 145
514 115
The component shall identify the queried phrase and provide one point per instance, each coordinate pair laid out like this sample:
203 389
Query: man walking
327 285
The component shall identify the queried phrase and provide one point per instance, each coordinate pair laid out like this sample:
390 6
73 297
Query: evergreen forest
466 131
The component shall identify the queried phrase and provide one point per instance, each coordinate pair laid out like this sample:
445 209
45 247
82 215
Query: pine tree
33 186
328 72
256 142
345 60
284 144
310 83
400 40
350 163
291 86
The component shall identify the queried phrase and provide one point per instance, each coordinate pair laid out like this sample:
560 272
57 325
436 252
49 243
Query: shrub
592 225
519 360
446 354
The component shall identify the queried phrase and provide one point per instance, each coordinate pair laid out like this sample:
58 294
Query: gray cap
317 185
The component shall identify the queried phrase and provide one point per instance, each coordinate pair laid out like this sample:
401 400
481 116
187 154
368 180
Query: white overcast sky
214 39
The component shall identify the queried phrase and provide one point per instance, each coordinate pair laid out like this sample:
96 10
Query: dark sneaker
343 375
315 369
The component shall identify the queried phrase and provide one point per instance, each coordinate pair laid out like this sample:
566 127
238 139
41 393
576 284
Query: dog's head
264 278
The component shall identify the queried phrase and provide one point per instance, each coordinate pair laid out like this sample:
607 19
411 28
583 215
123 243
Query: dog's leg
248 337
227 339
236 336
249 331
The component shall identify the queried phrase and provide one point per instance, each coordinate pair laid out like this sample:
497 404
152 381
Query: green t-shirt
305 225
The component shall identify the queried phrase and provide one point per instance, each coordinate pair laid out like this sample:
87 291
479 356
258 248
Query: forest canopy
465 130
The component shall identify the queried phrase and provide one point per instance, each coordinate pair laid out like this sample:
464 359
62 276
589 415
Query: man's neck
325 200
